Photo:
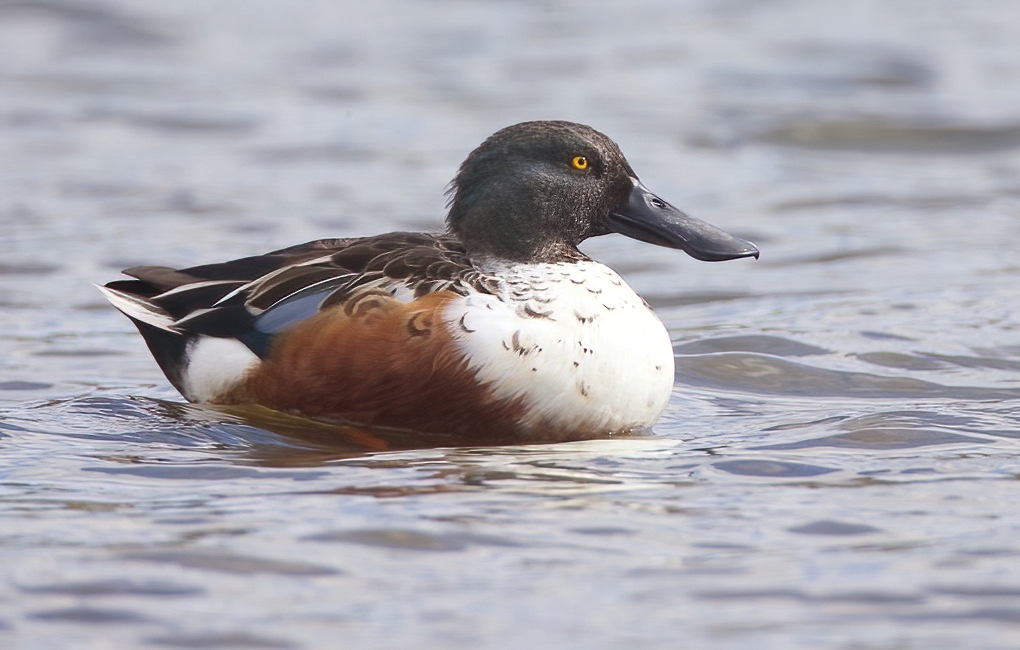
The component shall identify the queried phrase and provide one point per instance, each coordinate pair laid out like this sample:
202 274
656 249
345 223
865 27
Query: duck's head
533 191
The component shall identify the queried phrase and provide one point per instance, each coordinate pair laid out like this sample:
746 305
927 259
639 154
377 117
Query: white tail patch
139 309
214 367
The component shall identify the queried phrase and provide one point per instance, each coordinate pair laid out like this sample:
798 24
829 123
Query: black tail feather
169 349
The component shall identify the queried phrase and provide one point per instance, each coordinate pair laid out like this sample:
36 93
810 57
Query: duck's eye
580 162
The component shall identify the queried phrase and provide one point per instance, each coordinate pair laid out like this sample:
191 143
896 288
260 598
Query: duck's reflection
279 439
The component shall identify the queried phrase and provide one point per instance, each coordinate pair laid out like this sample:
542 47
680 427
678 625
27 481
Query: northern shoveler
497 329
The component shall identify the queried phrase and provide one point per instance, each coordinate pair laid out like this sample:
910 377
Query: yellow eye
580 162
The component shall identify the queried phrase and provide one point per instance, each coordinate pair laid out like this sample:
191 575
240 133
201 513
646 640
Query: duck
496 330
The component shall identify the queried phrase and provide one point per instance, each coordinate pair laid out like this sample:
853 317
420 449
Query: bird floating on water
497 330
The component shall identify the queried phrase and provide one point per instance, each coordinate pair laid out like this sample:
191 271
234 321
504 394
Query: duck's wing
254 298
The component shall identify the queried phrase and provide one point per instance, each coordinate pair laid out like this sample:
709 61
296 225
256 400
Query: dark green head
533 191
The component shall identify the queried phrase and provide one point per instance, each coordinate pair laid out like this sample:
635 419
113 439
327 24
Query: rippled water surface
838 464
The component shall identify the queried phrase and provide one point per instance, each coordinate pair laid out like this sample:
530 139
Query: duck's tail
167 344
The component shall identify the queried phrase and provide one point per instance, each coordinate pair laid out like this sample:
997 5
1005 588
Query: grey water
838 465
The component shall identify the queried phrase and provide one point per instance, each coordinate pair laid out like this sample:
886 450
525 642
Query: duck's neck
510 219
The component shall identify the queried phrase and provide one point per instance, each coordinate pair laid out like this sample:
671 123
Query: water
838 464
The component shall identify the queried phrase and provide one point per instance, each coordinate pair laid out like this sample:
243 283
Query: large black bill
648 218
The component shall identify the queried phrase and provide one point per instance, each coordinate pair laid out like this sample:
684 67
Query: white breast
573 342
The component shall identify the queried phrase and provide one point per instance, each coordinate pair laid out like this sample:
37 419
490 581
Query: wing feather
253 298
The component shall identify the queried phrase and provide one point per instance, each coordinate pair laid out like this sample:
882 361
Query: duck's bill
646 217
